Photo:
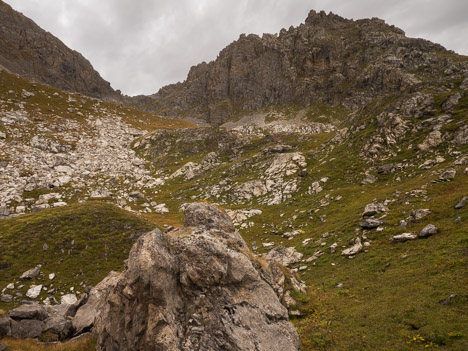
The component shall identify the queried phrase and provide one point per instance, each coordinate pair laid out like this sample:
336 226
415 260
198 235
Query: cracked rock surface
196 288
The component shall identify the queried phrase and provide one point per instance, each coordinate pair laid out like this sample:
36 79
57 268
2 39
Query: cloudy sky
142 45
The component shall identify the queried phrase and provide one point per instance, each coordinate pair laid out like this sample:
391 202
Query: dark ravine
328 59
28 50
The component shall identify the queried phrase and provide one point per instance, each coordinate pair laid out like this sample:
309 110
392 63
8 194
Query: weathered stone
279 148
137 195
401 238
418 214
34 291
428 230
26 328
451 102
5 327
231 305
57 328
448 175
462 203
249 190
371 223
461 136
432 140
6 298
370 179
207 216
386 169
28 311
353 250
315 188
374 208
32 273
86 314
68 299
285 255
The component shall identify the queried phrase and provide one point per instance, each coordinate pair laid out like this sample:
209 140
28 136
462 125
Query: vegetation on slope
80 243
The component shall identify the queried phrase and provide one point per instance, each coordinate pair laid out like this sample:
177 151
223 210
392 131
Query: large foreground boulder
196 288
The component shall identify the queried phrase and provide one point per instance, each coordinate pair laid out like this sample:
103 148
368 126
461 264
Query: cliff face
328 60
29 51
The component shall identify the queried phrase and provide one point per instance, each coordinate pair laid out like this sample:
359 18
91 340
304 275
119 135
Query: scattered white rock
68 299
353 250
401 238
34 291
285 255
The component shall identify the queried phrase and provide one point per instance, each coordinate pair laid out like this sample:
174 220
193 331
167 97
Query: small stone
6 298
137 195
339 285
401 238
32 273
416 215
51 276
370 179
428 230
34 291
462 203
448 300
353 250
448 175
371 223
45 247
10 286
374 208
68 299
457 220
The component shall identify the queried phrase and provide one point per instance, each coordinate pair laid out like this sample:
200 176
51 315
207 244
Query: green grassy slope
84 243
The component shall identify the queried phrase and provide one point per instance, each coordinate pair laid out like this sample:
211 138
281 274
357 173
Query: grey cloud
142 45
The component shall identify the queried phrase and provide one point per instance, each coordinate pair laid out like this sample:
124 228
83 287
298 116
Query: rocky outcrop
196 288
328 59
28 50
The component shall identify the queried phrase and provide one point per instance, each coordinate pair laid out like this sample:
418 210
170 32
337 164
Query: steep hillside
342 154
328 59
349 194
28 50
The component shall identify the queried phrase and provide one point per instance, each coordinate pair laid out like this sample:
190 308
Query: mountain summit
328 59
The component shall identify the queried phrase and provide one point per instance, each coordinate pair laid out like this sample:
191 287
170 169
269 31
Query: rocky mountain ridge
327 60
28 50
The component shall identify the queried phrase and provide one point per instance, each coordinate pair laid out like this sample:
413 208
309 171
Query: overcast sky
141 45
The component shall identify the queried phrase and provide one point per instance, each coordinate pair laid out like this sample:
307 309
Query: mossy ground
84 243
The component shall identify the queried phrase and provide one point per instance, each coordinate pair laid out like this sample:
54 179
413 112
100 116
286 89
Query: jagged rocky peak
28 50
196 288
328 59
